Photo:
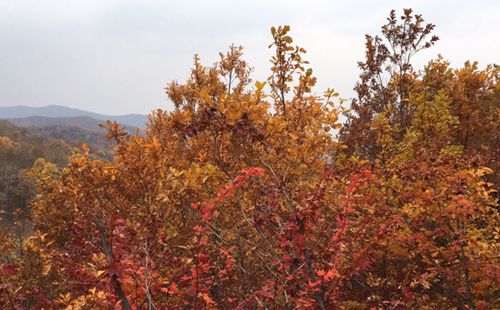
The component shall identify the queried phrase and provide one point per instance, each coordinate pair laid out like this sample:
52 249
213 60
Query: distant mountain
84 122
53 112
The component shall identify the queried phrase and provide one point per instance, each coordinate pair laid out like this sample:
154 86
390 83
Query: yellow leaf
99 273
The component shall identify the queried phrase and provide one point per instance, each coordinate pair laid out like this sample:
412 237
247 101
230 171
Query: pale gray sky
116 56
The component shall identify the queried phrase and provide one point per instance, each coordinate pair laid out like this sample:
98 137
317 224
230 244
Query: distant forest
25 149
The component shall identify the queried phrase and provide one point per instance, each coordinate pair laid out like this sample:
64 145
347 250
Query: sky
116 56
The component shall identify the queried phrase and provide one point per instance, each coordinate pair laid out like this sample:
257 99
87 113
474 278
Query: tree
386 80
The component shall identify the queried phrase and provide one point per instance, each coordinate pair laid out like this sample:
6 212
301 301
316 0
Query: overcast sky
116 56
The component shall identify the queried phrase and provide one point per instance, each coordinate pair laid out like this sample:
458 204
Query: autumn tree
417 145
208 207
386 80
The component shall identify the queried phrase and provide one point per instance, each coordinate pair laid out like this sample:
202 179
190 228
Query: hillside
22 148
83 122
97 142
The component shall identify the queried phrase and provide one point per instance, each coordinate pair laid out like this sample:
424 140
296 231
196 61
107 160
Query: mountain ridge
57 111
83 122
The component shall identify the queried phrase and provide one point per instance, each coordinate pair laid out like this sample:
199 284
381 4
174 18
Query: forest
265 195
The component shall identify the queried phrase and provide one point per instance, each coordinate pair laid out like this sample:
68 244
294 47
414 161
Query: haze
116 56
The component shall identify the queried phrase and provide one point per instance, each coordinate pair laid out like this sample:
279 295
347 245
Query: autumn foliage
254 195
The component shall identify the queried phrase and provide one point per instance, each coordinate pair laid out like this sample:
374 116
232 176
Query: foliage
25 149
243 198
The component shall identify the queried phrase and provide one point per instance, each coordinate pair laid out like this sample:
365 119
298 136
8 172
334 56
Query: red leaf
8 270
